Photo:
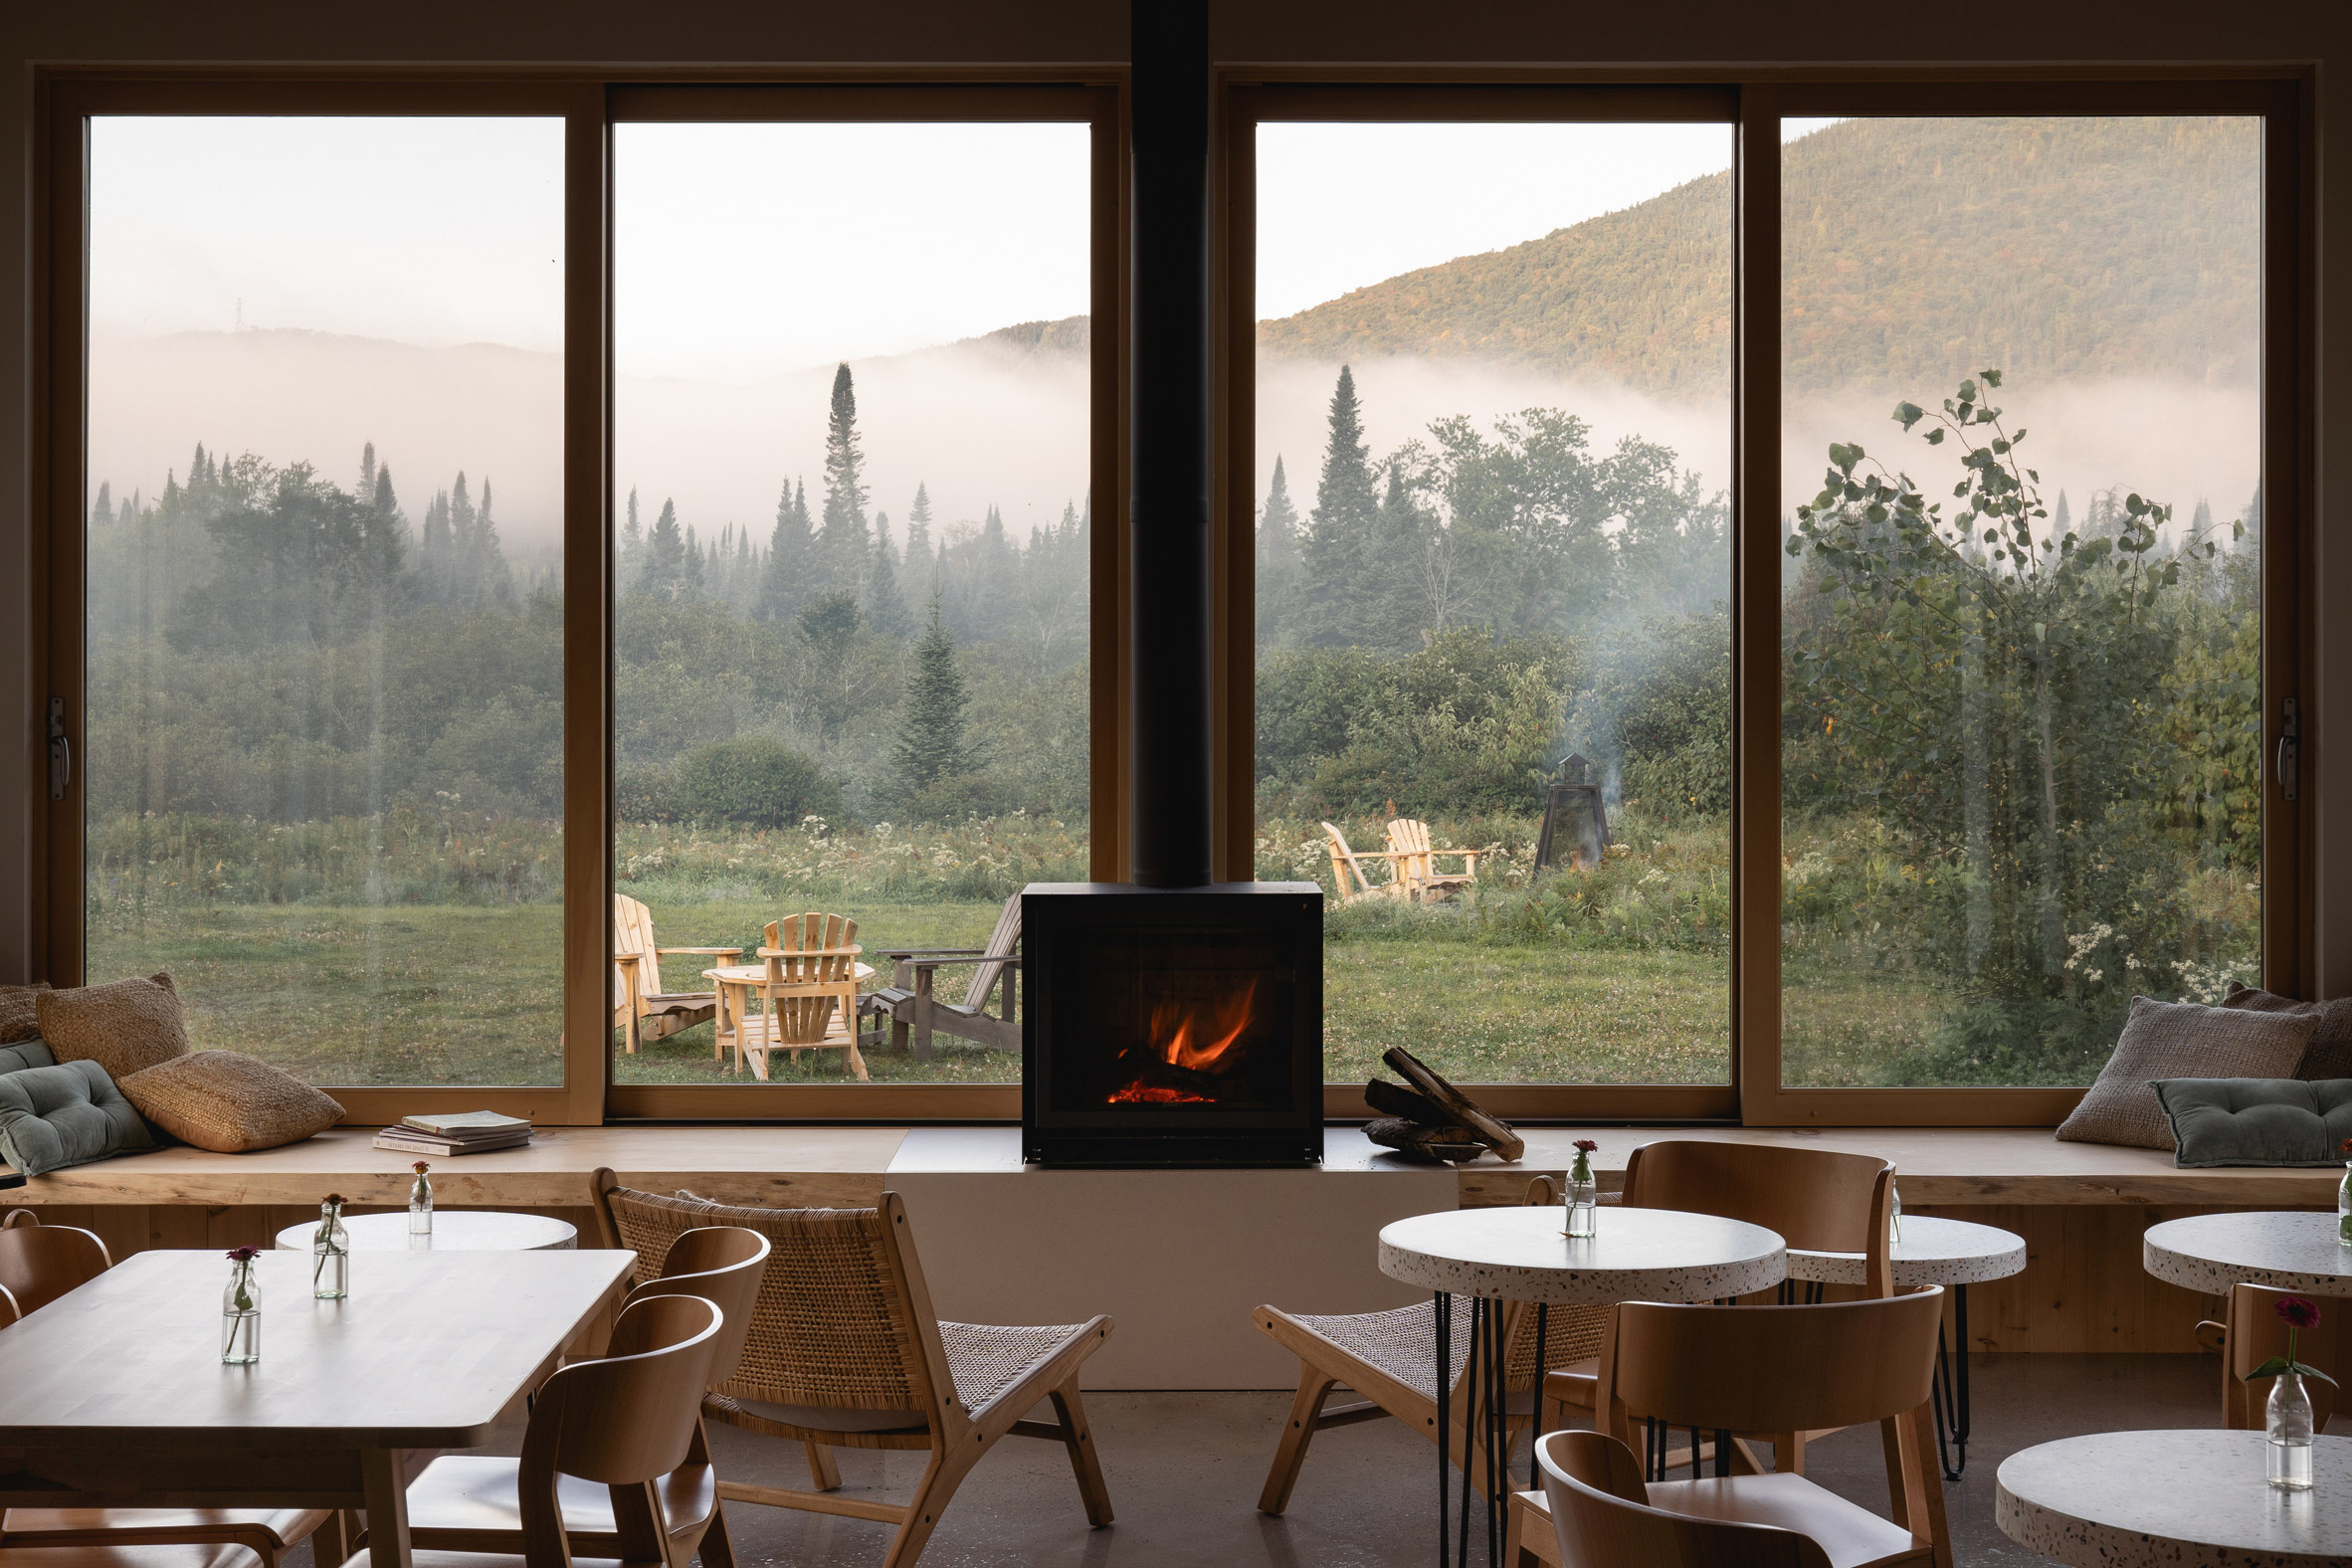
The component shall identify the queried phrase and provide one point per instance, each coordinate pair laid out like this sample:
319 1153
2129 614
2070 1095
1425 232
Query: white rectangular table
114 1395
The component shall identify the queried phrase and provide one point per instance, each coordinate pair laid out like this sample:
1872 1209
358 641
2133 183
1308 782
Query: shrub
645 795
756 780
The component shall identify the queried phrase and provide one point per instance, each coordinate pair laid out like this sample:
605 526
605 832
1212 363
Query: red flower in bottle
2296 1312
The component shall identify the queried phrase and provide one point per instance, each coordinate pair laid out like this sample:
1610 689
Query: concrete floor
1184 1471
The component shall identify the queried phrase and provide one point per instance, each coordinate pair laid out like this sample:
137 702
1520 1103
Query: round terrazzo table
1955 1253
1520 1254
2184 1499
453 1231
2286 1250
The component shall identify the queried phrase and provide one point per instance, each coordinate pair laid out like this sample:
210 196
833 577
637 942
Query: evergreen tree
2063 519
1409 576
1339 546
842 547
1277 558
631 562
919 559
886 603
690 577
930 743
103 512
2201 524
432 552
490 579
664 556
784 587
367 470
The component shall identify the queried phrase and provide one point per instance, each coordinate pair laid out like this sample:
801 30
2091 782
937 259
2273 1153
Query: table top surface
453 1231
1522 1255
2118 1499
425 1353
757 974
1929 1251
2285 1249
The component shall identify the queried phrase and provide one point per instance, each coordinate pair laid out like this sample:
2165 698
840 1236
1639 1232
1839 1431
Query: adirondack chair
1417 863
1347 873
809 996
641 1008
913 1010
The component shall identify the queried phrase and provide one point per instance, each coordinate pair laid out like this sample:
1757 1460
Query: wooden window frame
1760 100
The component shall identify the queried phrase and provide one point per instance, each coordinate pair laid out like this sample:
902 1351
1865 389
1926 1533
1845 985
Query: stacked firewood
1433 1119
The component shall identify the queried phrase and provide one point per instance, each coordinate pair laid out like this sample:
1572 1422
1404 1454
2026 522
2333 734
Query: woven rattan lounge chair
844 1352
1389 1358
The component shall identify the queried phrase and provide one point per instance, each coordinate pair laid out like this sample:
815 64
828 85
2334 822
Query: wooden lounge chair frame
916 1013
844 1352
808 1000
642 1010
1347 870
1417 863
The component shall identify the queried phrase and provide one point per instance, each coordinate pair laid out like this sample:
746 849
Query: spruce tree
1277 558
368 472
432 552
664 555
844 547
630 565
103 512
783 588
493 582
690 576
919 560
1337 548
930 745
885 602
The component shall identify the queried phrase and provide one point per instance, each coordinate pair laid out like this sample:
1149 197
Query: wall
1698 35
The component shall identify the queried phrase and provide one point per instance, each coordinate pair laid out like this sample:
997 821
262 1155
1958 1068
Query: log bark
1457 1106
1453 1145
1394 1099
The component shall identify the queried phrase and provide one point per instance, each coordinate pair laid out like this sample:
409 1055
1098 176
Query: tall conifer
1277 558
103 512
784 587
886 601
1339 546
930 743
664 555
844 547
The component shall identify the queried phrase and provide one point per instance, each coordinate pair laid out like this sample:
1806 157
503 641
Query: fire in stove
1191 1049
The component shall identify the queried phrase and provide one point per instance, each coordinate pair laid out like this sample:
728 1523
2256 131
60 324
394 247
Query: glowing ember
1184 1040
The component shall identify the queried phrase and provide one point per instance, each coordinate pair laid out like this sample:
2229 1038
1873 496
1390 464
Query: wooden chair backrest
1000 943
1772 1368
2256 1333
40 1262
812 961
1409 837
724 1266
633 932
843 1320
1599 1530
1343 865
8 1311
625 1420
1820 1200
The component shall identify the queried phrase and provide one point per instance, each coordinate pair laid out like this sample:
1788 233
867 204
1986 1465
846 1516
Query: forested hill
1918 251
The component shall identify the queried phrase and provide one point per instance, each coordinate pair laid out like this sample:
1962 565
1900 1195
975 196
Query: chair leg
824 1474
932 1493
716 1549
1290 1452
1081 1442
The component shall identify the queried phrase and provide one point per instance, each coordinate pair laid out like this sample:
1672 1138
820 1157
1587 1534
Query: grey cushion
2178 1039
22 1054
68 1114
2329 1054
2257 1122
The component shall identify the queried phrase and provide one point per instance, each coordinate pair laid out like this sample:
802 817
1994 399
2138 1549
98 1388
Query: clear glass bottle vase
241 1316
2286 1423
331 1256
2344 1207
1584 1200
420 1207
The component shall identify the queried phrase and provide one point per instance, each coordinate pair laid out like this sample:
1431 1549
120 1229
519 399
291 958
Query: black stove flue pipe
1169 505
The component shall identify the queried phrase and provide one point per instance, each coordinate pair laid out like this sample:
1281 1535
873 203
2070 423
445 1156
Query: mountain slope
1915 251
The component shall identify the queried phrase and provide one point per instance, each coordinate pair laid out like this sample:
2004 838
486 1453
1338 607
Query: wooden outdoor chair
1417 863
625 1423
844 1352
1600 1515
916 1013
641 1008
2251 1333
1390 1359
38 1263
473 1503
1777 1372
1821 1200
1347 872
808 999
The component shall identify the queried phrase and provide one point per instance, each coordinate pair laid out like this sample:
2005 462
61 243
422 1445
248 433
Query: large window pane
324 714
2023 617
853 513
1493 449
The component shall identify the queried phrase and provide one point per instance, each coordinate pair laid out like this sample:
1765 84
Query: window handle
2290 745
61 751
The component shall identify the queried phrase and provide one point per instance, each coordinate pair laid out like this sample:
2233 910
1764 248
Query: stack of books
461 1132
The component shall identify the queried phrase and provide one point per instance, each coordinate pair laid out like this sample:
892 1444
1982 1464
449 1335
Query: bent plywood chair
1777 1371
916 1012
1390 1359
1610 1520
845 1353
641 1007
1417 863
39 1263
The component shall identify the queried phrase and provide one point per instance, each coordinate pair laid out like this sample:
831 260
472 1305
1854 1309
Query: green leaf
1936 437
1909 413
1992 378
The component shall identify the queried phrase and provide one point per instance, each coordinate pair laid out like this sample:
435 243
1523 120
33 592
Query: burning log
1454 1145
1446 1107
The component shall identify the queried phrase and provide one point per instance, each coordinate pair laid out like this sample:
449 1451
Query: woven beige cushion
2329 1055
19 1018
122 1026
228 1102
2180 1040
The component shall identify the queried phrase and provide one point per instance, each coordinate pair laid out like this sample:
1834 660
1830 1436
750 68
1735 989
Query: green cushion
2257 1122
70 1114
22 1053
